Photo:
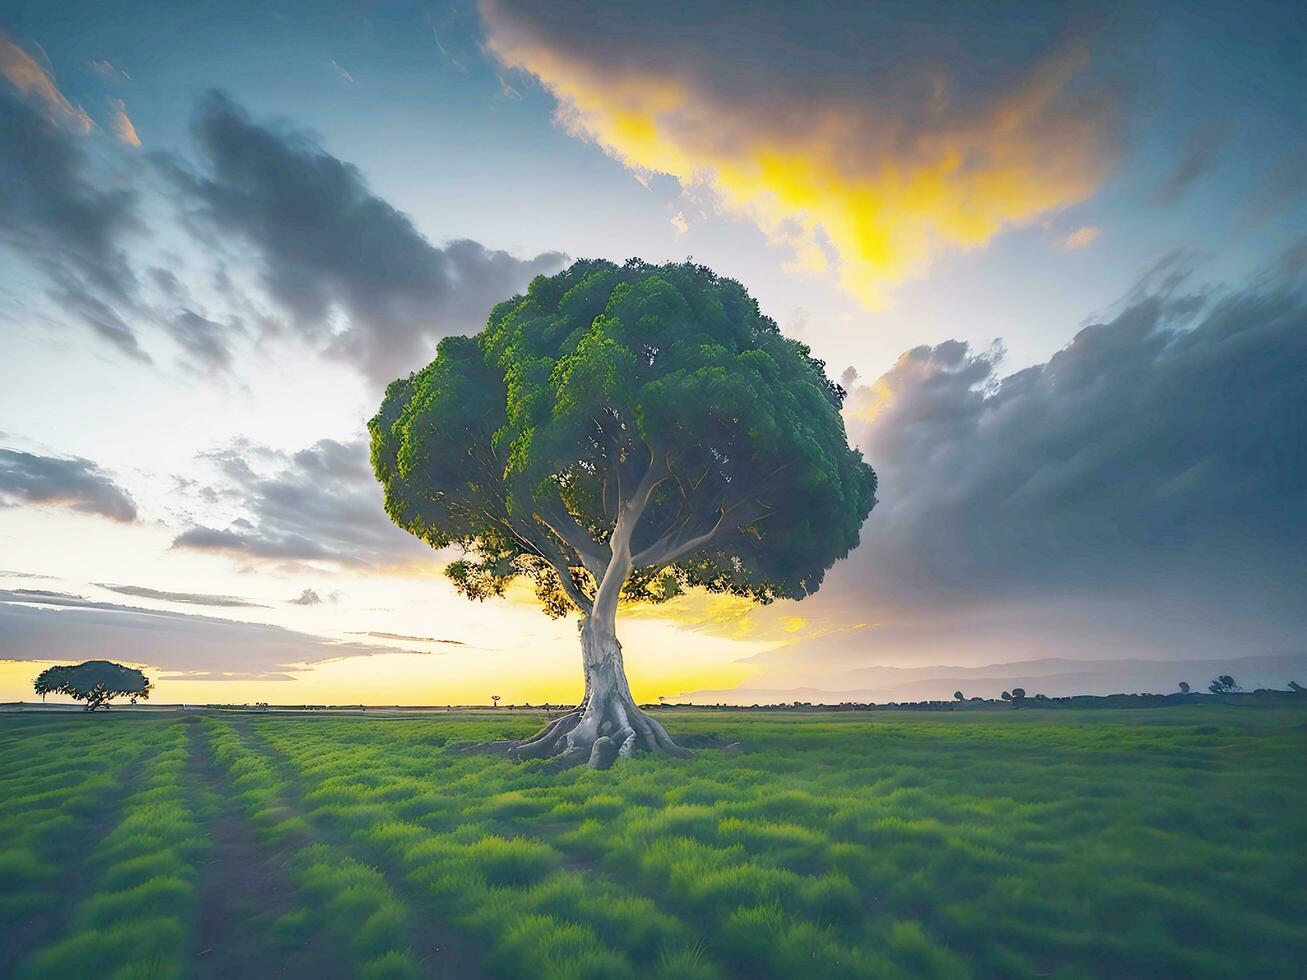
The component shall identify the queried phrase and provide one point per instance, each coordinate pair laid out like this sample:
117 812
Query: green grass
1060 843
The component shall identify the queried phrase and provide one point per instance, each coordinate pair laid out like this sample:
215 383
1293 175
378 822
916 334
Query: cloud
679 224
1202 149
66 219
1081 238
194 647
107 69
207 342
1143 493
191 598
121 124
70 482
1284 182
32 81
402 636
353 273
342 72
855 138
320 504
306 598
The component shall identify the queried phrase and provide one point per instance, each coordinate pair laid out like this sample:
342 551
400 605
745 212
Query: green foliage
96 682
603 386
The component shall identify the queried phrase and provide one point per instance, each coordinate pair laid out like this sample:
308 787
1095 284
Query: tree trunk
607 724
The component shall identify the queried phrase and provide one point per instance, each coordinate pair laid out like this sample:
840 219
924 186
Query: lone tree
1224 684
1184 687
623 432
96 682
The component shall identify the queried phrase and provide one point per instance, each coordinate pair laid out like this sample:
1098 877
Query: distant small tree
1224 684
1007 696
1184 687
957 696
97 682
1297 688
1018 694
495 698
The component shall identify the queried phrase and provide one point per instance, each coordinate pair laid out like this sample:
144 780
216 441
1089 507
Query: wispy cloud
304 212
378 634
1081 238
195 647
321 504
121 124
65 216
343 73
107 69
1202 148
190 598
31 79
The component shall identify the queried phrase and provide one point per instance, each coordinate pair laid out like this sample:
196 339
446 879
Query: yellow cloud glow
843 183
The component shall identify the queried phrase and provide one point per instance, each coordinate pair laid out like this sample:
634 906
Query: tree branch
557 518
668 549
543 548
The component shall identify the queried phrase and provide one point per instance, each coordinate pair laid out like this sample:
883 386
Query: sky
1055 252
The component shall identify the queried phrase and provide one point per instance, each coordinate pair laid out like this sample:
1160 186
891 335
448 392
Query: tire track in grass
438 947
246 893
354 897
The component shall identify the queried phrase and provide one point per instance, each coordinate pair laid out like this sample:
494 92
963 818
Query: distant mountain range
1055 677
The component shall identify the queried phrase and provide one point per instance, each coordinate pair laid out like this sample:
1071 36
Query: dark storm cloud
65 219
1144 492
1198 156
319 504
71 482
326 245
191 598
1163 446
195 647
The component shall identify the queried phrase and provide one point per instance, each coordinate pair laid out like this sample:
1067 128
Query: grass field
1053 844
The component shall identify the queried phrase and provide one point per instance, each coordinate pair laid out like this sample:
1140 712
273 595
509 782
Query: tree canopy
656 392
96 682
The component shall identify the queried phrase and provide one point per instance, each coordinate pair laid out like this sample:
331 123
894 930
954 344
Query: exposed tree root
598 732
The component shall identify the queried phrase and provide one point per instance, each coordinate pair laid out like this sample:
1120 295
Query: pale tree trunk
607 724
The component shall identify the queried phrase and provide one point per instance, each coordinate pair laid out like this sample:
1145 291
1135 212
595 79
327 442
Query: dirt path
244 890
438 947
